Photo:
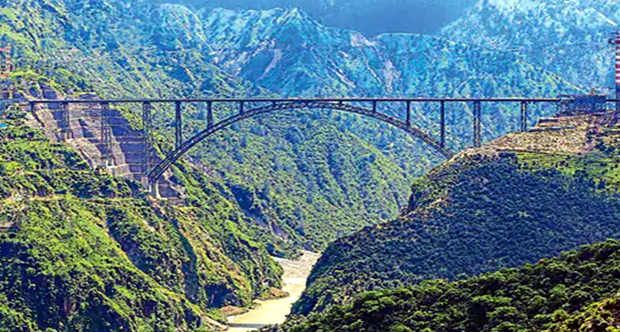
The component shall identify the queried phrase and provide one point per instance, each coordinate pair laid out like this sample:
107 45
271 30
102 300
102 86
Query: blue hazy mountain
566 37
370 17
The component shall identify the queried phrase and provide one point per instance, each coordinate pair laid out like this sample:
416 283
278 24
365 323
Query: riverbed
274 311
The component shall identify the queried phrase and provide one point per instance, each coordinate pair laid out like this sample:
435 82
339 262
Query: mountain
514 201
371 17
290 53
575 291
148 50
568 38
266 186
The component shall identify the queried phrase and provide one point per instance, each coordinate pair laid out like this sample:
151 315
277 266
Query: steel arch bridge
405 125
253 107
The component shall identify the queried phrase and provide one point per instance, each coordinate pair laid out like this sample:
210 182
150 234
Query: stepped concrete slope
85 134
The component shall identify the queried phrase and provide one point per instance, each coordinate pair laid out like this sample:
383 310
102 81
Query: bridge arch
155 174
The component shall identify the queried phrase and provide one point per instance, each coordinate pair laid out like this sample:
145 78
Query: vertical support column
178 124
65 125
209 114
442 124
477 123
147 123
374 106
241 105
524 117
408 113
106 136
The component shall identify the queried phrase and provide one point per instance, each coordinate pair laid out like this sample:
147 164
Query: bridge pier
442 124
178 124
65 124
523 117
477 123
147 122
209 115
106 136
153 188
408 114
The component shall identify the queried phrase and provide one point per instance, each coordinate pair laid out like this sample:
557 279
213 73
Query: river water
274 311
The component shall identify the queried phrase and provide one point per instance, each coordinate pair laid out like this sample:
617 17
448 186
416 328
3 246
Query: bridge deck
346 99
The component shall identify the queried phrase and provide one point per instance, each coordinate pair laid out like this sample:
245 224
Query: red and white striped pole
615 41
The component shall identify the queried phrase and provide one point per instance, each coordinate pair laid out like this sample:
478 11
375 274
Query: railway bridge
246 108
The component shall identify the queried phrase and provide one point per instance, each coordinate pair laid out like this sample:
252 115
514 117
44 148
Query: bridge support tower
442 124
106 136
65 122
477 123
524 117
178 124
147 123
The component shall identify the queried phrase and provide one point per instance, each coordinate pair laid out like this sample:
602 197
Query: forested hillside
566 293
565 37
370 17
83 250
140 49
483 210
124 48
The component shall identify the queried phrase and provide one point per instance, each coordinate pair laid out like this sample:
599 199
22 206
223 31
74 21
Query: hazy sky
368 16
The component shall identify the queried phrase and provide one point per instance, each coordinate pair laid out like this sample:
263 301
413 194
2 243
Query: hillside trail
274 311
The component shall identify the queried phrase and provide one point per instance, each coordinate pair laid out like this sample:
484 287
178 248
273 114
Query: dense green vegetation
474 214
83 250
552 295
565 37
319 170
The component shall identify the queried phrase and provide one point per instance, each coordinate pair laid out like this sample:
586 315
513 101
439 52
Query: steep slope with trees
83 250
565 37
142 49
516 200
557 294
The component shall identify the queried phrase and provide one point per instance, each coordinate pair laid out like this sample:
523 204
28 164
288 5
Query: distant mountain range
566 37
371 17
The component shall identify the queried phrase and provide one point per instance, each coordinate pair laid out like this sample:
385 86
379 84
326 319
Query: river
274 311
